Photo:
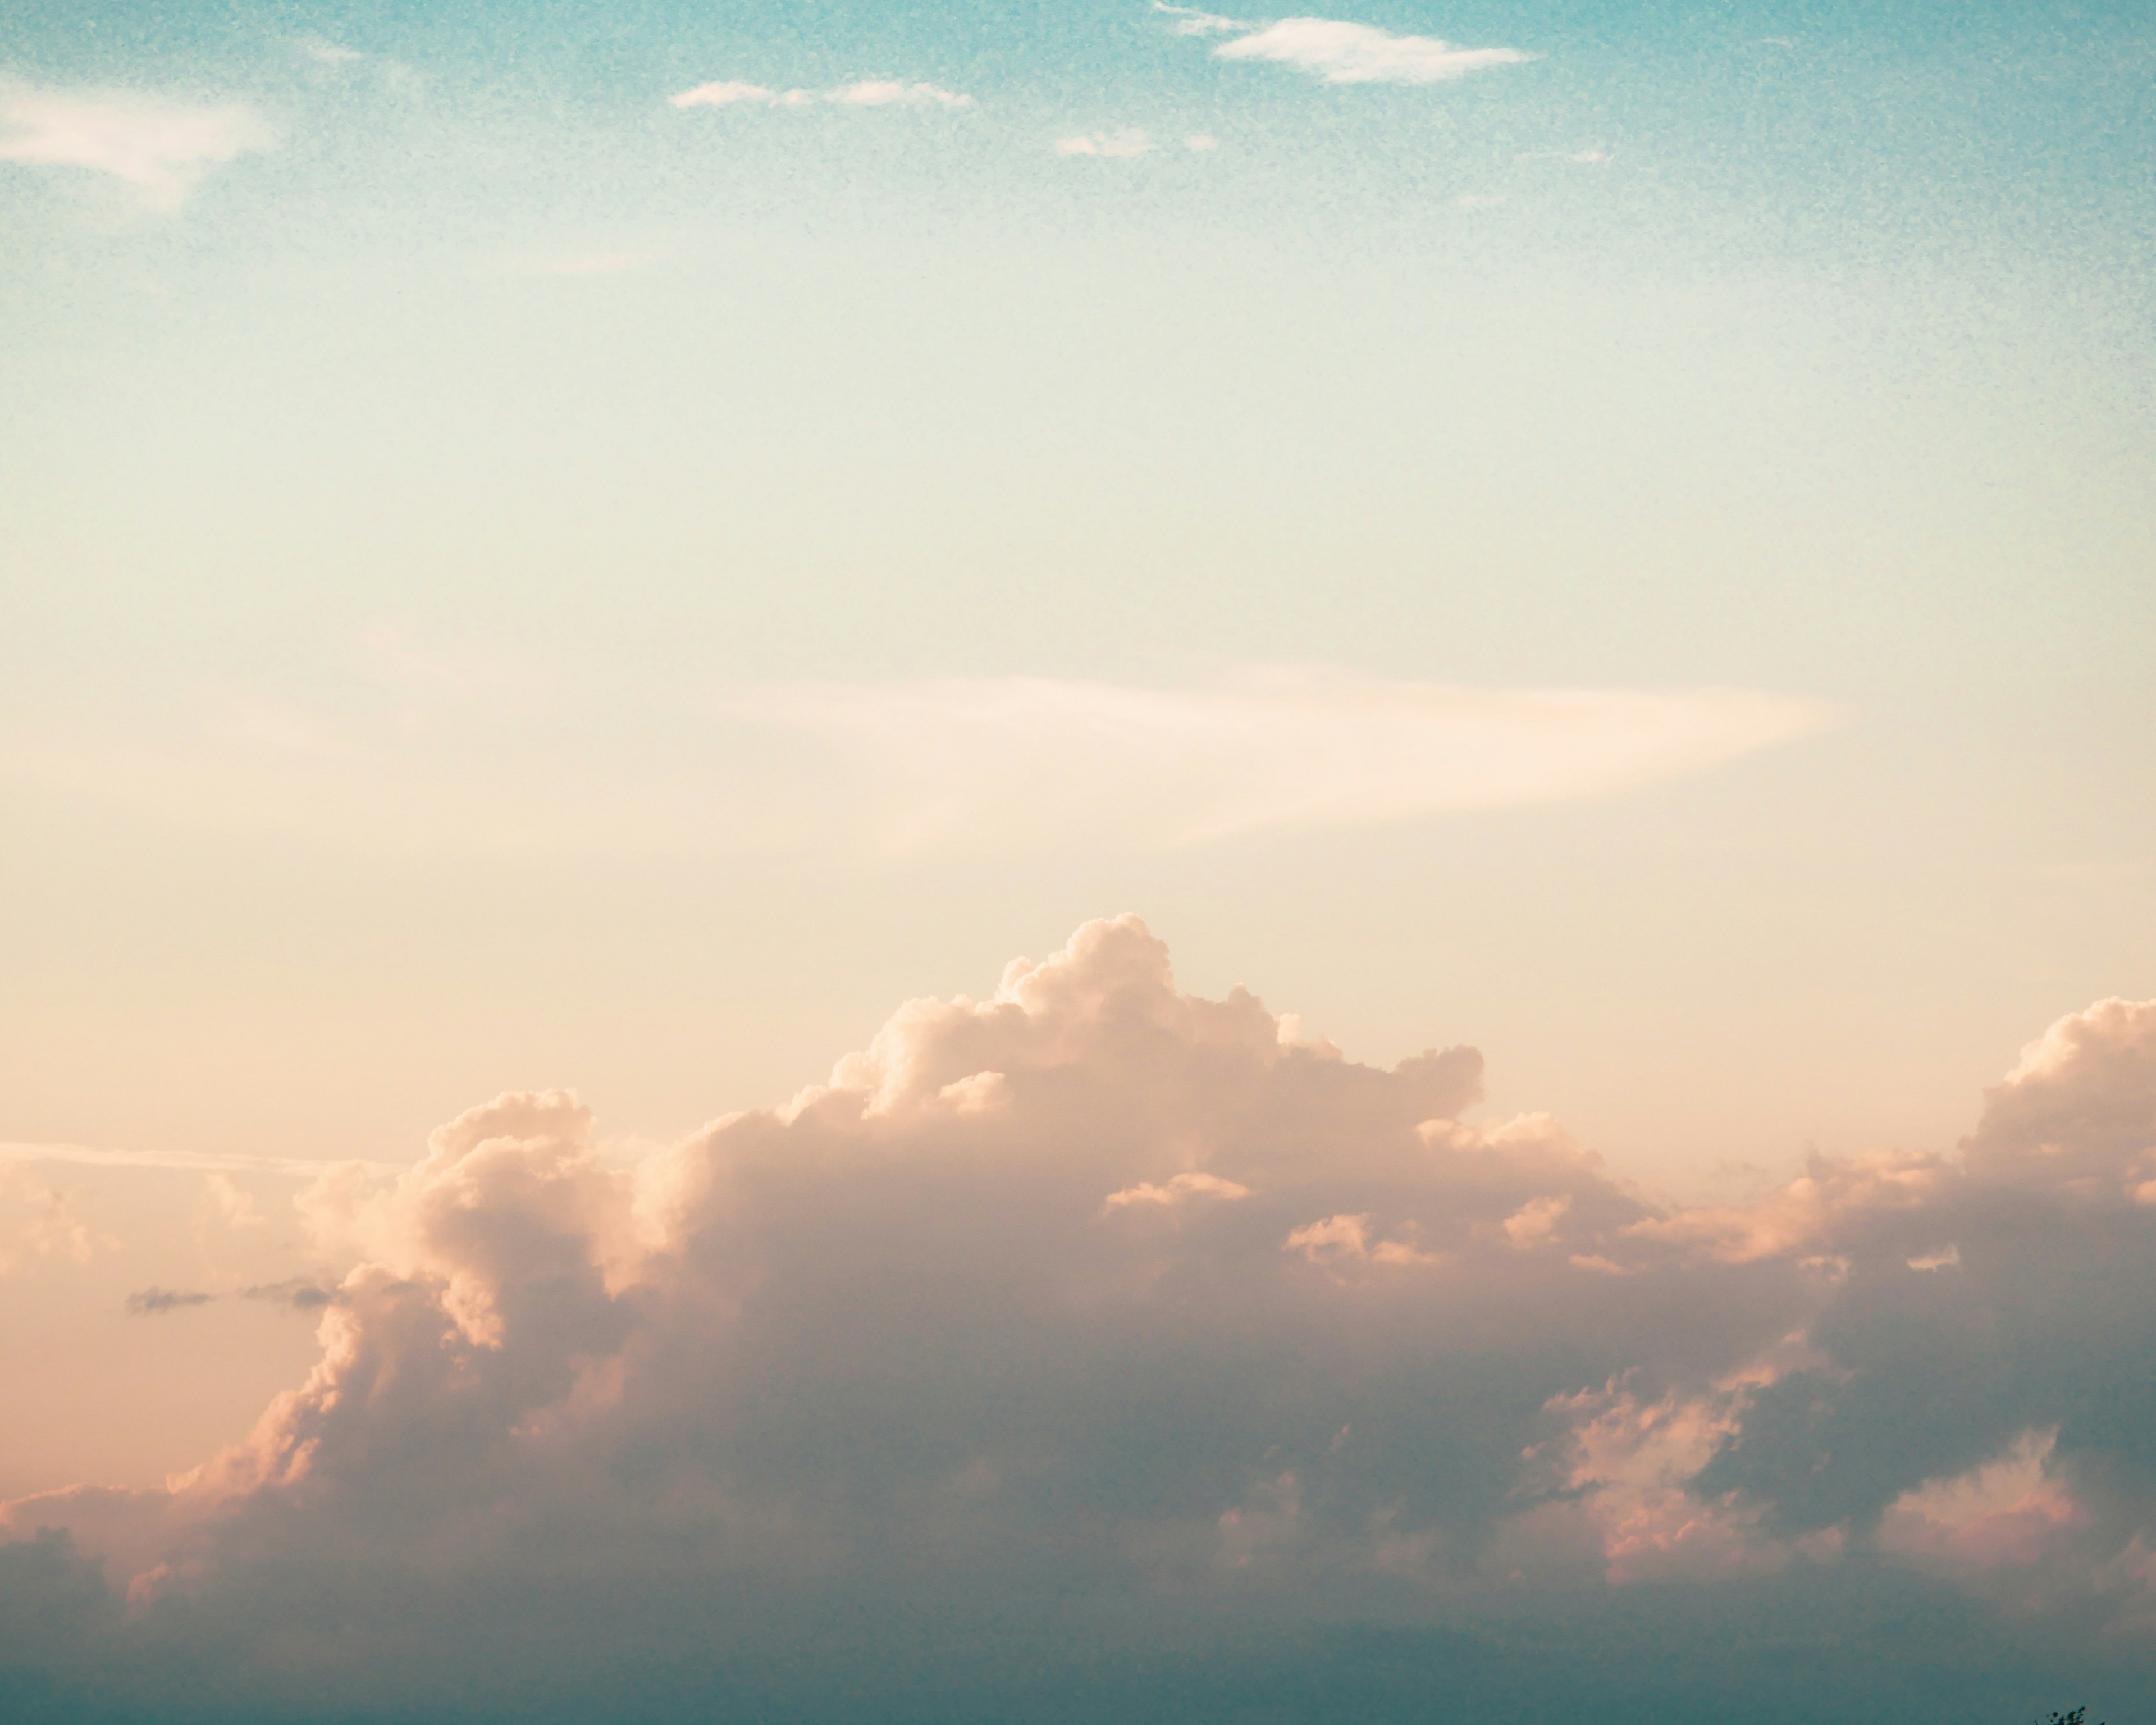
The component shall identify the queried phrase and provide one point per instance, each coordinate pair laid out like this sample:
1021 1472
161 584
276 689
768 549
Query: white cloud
1008 763
968 761
886 92
160 147
1338 52
722 94
1190 22
1127 143
864 93
1201 141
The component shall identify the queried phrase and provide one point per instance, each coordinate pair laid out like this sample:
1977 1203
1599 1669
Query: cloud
1126 143
39 1222
160 147
296 1292
1189 22
864 93
968 761
202 1161
150 1302
1175 1191
1336 52
874 1390
1008 763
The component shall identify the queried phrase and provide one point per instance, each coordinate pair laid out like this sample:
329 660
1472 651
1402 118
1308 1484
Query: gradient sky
1633 553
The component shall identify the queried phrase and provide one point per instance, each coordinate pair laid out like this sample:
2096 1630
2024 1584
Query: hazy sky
607 546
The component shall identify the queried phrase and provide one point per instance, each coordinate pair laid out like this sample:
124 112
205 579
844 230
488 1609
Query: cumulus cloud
1338 52
161 148
1093 1315
863 93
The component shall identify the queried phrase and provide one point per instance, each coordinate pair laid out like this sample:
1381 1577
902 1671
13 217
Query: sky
587 556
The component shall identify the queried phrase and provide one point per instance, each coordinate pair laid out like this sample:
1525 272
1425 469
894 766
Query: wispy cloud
297 1292
179 1161
152 1302
163 148
1188 21
1338 52
966 760
883 768
863 93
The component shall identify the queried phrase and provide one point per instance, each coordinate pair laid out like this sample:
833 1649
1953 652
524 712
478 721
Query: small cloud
1189 22
150 1302
885 93
1339 1240
1945 1260
1778 42
722 94
1587 158
1479 200
1183 1186
1201 141
1127 143
329 53
161 148
298 1293
1336 52
864 93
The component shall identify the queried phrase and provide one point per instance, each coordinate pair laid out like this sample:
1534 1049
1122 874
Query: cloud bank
1097 1350
160 147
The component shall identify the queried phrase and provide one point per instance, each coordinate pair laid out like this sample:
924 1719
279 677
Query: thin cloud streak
179 1161
1016 763
968 761
862 93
